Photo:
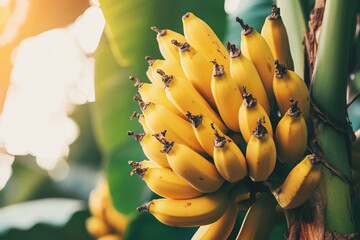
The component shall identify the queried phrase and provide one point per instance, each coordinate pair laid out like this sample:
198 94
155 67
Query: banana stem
329 91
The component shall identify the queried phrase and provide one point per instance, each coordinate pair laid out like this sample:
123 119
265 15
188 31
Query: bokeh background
66 102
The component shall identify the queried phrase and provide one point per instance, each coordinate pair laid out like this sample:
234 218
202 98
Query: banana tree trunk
329 213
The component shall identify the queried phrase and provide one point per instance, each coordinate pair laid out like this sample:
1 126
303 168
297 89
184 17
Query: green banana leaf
111 119
114 105
129 21
127 192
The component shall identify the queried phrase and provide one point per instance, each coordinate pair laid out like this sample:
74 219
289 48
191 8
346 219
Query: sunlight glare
14 22
3 3
52 73
60 171
88 28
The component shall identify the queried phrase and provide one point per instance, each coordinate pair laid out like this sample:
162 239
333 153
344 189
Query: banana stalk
329 92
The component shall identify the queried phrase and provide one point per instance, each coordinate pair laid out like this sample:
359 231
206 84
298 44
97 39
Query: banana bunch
106 223
216 122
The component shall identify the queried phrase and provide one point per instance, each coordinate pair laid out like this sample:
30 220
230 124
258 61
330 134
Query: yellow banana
141 119
202 210
143 164
300 184
291 135
97 198
154 94
168 51
244 73
203 131
168 66
192 167
96 203
203 39
151 147
250 111
227 96
165 182
105 217
197 69
97 227
221 229
274 32
115 219
111 237
254 47
160 118
259 219
287 84
228 159
260 154
183 95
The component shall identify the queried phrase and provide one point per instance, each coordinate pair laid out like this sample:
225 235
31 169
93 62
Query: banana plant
316 204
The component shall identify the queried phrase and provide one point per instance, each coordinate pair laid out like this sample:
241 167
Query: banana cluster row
106 223
215 124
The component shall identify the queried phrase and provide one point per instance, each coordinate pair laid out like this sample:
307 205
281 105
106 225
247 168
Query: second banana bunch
217 125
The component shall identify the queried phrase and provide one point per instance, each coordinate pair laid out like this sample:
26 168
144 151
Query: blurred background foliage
103 147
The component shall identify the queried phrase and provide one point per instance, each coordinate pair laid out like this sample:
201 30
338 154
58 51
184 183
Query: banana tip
167 146
160 33
313 159
186 15
150 60
217 70
195 120
144 207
